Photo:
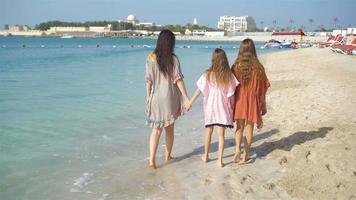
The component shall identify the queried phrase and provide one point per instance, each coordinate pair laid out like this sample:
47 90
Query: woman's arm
148 90
183 91
148 94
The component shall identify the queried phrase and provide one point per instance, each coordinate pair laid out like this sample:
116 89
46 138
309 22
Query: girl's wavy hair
247 62
219 71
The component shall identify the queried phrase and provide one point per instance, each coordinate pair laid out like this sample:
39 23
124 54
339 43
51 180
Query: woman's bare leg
169 141
154 139
221 132
248 140
240 126
208 133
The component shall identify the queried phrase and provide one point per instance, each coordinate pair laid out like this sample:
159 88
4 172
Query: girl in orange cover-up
250 96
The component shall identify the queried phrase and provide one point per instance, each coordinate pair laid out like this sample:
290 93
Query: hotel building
236 24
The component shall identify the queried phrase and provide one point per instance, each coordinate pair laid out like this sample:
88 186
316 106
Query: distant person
217 84
250 98
165 92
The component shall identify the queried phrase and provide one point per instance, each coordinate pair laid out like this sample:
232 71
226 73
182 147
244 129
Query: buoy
24 46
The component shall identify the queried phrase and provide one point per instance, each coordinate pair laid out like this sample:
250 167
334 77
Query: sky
207 12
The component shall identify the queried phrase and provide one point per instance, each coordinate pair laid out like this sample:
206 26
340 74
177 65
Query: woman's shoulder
152 57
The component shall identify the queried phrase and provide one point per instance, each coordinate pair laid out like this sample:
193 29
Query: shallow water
72 115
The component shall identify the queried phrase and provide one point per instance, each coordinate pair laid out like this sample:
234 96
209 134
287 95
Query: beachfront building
100 28
18 28
288 36
56 29
134 21
236 24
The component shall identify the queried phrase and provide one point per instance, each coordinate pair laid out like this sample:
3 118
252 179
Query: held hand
187 105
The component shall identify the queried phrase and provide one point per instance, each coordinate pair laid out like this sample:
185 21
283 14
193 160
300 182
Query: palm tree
274 23
336 20
262 22
291 21
311 20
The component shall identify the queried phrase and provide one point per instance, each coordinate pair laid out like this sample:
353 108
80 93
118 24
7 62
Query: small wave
81 182
104 197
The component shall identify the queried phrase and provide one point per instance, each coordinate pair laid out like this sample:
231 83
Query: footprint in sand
227 176
307 155
283 160
246 179
268 186
207 181
340 186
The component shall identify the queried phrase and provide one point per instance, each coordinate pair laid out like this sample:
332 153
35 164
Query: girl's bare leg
221 132
240 126
154 139
169 141
208 133
248 140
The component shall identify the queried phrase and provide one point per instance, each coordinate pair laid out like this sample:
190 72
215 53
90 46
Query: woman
165 91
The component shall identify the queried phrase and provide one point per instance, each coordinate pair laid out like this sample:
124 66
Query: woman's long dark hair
165 51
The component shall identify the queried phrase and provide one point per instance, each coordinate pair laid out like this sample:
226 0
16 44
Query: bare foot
245 156
152 165
220 163
168 158
245 159
205 158
237 157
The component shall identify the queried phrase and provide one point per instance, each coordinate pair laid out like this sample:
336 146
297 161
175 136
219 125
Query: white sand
259 38
306 150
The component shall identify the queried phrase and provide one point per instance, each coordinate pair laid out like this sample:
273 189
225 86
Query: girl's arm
232 101
195 96
183 90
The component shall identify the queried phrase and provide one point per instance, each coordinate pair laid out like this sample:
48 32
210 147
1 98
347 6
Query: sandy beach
306 149
257 37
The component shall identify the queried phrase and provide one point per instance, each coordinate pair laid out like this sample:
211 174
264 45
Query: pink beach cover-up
217 107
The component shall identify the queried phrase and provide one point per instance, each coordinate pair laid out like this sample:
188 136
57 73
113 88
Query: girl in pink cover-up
217 84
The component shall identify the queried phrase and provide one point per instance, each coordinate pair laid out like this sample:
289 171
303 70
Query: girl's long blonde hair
220 71
247 61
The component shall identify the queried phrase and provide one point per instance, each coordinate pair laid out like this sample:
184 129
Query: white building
18 28
132 19
100 28
236 24
68 29
195 21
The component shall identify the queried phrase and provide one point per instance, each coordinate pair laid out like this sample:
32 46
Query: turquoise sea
72 115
